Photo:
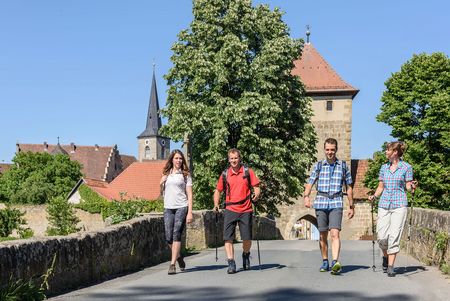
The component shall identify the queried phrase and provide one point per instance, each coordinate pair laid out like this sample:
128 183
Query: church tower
332 100
151 146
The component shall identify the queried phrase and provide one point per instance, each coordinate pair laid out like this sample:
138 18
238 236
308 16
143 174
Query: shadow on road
268 266
351 268
219 267
410 270
224 294
205 268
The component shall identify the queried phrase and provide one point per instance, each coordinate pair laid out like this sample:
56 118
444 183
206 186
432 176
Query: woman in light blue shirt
395 178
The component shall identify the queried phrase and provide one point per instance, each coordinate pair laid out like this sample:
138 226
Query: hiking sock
385 264
246 260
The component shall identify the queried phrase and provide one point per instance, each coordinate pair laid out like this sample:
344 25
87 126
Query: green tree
416 104
37 177
10 219
231 86
61 217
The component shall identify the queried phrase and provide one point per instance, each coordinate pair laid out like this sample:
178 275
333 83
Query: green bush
445 268
126 210
22 290
26 233
91 201
62 218
10 219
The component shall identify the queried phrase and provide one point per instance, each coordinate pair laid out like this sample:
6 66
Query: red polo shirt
239 189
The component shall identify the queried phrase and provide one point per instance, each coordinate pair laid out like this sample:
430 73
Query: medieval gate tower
332 109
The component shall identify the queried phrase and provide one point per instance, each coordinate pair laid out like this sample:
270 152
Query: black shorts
231 219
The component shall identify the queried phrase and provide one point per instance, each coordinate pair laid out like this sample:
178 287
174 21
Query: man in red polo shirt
238 207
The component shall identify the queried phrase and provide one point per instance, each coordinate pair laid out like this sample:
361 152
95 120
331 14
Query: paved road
289 272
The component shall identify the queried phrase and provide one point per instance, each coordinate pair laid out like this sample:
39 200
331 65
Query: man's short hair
234 151
331 141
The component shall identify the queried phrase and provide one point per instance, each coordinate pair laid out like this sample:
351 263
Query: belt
330 196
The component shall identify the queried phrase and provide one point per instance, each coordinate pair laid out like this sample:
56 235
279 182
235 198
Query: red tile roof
127 160
139 180
93 159
359 169
4 167
317 75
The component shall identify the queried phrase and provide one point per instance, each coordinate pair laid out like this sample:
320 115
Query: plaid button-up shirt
330 180
394 193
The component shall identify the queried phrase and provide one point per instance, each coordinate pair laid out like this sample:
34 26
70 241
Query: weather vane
308 33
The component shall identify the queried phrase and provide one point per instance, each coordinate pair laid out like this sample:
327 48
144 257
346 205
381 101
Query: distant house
4 167
102 163
139 181
359 169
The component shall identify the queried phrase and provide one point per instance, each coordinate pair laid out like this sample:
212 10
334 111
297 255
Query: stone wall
427 224
201 233
36 217
86 258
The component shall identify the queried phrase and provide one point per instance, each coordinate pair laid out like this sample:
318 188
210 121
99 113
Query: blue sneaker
325 266
336 267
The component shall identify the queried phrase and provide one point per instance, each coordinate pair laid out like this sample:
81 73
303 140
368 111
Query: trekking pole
373 237
409 227
257 237
217 233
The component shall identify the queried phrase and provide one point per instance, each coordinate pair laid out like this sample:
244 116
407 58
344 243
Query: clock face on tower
146 141
162 142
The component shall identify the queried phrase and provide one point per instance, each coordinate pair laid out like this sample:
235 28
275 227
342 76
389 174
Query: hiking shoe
325 266
246 260
390 271
385 264
172 270
181 263
231 266
336 267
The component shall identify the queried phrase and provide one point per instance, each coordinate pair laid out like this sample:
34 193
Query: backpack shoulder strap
318 169
247 175
224 180
344 171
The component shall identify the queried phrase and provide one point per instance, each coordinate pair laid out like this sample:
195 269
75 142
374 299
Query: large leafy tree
231 86
35 178
416 104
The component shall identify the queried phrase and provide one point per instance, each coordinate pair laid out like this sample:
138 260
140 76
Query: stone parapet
86 258
201 233
428 226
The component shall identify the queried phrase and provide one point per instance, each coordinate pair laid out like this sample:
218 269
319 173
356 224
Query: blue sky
81 70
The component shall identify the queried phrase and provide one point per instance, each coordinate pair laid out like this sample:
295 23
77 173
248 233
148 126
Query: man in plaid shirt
331 175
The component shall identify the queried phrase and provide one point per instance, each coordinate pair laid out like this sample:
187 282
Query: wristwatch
352 207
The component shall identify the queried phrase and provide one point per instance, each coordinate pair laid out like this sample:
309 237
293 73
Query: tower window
147 152
329 105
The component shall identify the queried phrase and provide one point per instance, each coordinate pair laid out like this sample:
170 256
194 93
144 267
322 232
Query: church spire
308 33
153 119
